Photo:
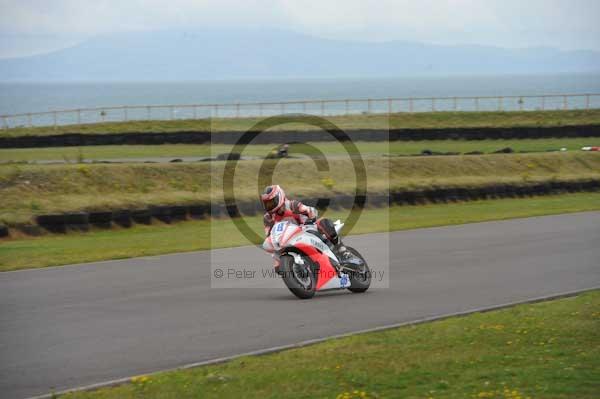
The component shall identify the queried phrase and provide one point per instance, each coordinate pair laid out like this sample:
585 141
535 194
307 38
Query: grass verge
33 252
30 190
364 121
543 350
123 152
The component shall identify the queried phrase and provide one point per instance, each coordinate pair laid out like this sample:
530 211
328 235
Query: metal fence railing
313 107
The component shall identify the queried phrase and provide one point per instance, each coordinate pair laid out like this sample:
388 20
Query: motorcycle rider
277 208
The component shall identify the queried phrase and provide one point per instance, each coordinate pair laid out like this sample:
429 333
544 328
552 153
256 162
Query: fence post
565 103
587 101
54 117
410 105
322 108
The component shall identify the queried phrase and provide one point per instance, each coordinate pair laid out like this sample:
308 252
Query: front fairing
320 254
286 237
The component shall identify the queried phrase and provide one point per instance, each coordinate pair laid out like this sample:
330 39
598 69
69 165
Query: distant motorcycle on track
307 264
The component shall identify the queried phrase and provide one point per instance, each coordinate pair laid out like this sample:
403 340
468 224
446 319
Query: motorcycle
307 264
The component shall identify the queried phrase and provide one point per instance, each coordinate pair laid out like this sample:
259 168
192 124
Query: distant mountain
216 54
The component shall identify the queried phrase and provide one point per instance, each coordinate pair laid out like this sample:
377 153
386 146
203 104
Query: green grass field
29 252
545 350
76 154
367 121
29 190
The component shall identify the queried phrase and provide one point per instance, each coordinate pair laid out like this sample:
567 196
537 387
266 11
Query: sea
20 98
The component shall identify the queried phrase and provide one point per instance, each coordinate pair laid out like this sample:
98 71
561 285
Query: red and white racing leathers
293 211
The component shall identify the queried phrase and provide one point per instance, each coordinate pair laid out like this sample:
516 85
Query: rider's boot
339 249
343 252
327 228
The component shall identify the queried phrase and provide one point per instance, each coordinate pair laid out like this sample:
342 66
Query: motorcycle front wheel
299 278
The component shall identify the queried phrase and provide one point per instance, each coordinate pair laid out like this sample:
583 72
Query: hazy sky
33 26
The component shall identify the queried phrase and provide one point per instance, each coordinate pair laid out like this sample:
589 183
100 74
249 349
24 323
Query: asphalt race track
76 325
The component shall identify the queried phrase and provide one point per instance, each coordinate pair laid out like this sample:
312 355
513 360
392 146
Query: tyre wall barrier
232 211
79 139
230 156
52 223
377 200
30 229
401 197
199 211
141 216
161 213
217 210
77 221
249 208
61 223
179 213
122 218
100 219
279 137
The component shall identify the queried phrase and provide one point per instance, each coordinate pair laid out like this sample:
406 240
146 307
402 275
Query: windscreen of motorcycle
282 232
